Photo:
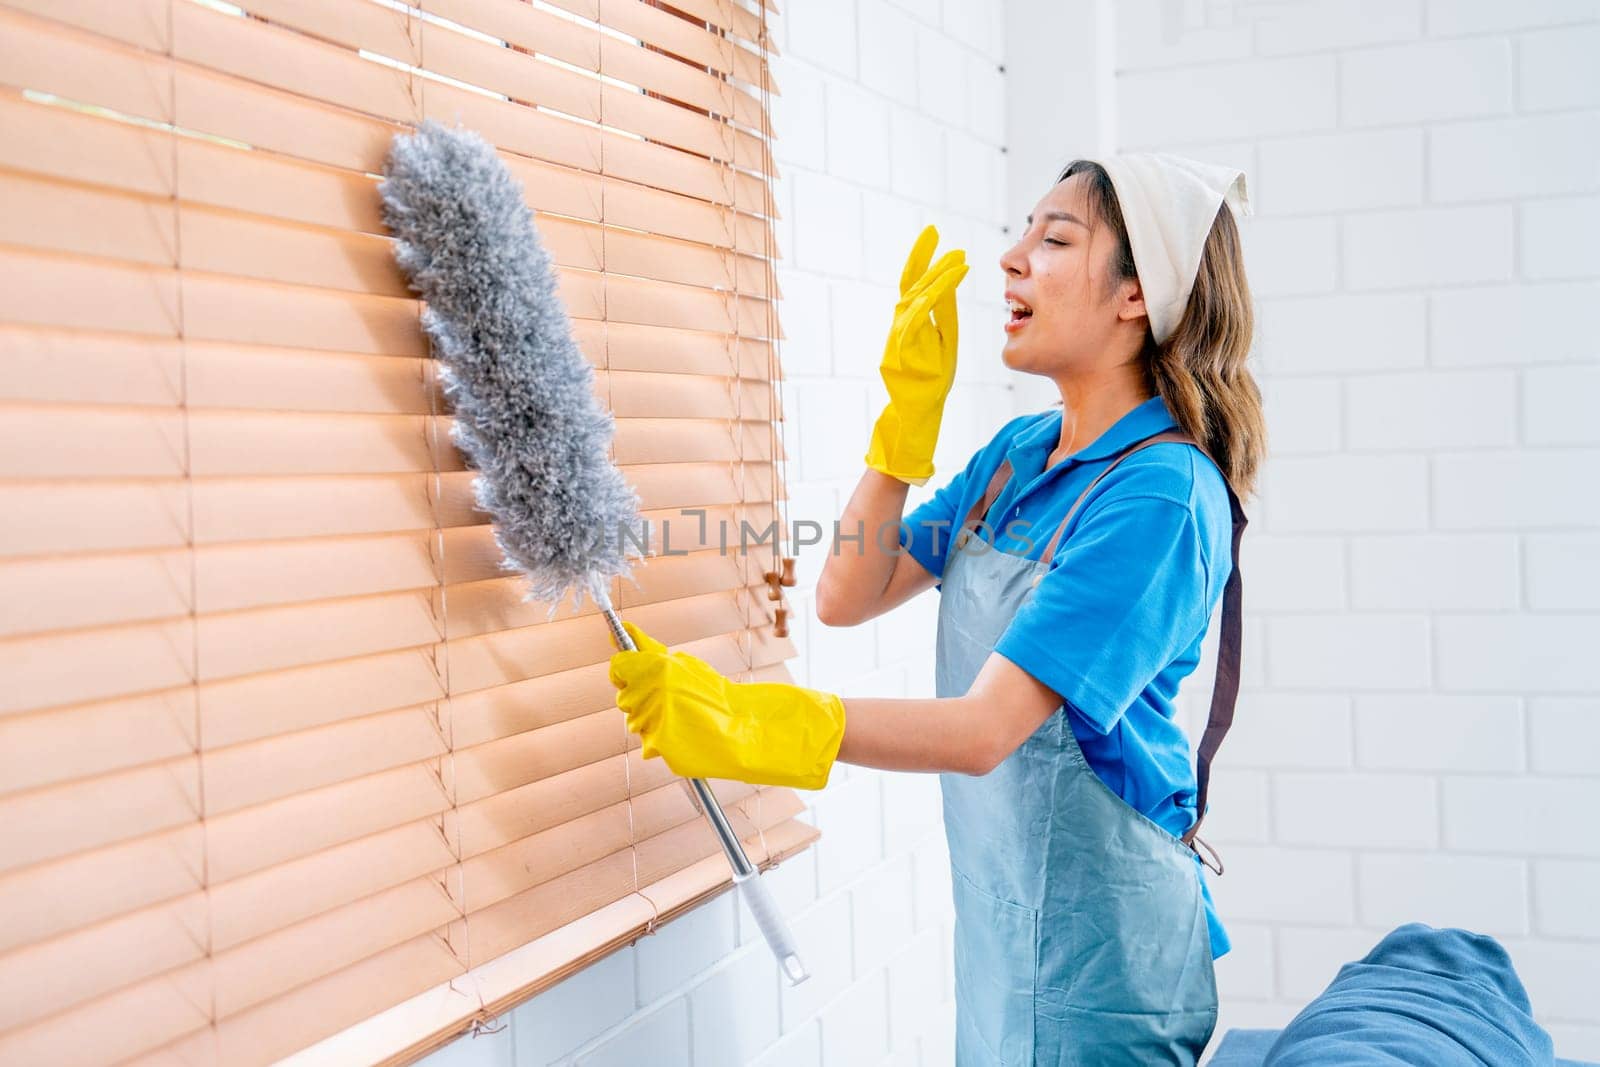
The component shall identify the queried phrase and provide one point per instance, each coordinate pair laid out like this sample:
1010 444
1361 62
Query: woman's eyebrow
1061 216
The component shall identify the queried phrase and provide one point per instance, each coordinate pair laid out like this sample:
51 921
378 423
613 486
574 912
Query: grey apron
1080 934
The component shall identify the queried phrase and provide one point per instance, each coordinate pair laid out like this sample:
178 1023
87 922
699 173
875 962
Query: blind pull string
775 376
611 454
731 298
191 534
445 715
746 641
783 564
746 635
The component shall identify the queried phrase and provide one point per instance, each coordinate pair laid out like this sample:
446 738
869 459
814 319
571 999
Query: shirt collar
1032 446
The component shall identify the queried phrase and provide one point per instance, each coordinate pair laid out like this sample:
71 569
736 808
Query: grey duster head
526 412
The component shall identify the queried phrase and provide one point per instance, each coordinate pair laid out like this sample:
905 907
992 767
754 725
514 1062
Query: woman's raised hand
919 362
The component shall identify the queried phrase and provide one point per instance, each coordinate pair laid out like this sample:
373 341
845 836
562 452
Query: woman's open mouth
1020 314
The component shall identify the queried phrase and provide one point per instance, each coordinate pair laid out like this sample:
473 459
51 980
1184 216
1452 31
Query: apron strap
981 506
1225 689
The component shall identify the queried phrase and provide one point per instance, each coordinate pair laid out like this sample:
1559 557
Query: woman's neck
1089 408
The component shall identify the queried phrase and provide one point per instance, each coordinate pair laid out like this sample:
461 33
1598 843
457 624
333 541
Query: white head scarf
1169 203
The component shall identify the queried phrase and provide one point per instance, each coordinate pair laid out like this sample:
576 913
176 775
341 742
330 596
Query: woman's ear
1131 302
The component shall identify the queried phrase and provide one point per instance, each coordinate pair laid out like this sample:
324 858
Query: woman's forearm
933 734
858 567
969 734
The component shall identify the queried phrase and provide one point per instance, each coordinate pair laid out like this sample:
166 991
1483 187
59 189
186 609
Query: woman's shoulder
1172 469
1181 475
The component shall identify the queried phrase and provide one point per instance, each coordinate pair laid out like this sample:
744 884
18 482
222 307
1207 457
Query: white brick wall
1423 568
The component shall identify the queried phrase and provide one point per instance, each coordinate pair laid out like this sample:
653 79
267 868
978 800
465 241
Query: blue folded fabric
1243 1048
1247 1048
1421 996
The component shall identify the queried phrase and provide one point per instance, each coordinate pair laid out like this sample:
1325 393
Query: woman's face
1061 271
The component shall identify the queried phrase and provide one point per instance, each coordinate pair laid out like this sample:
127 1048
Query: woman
1102 536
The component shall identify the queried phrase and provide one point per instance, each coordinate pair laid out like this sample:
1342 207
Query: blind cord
732 296
445 719
611 448
191 537
773 395
746 597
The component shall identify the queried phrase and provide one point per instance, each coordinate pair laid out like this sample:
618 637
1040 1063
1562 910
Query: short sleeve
926 532
1127 596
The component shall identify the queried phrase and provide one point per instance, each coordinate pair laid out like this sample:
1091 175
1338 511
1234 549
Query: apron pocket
996 960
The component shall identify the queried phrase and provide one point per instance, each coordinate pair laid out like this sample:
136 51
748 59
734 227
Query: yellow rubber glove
707 726
919 363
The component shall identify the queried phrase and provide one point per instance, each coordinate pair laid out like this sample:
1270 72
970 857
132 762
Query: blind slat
524 26
74 146
49 366
47 900
732 17
352 23
43 290
89 591
672 215
253 50
283 743
142 23
517 74
626 346
65 517
58 974
103 443
64 218
679 81
50 217
51 58
107 736
132 657
40 288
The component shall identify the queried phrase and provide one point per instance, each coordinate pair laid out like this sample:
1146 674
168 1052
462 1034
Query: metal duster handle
745 875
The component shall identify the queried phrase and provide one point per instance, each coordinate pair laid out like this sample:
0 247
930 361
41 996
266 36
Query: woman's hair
1200 371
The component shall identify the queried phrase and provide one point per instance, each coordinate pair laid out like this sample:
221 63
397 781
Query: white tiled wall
1419 738
891 117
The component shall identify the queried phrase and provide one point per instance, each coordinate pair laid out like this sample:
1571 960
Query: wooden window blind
287 769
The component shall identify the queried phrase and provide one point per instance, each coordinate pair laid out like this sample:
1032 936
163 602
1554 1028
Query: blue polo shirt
1118 621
